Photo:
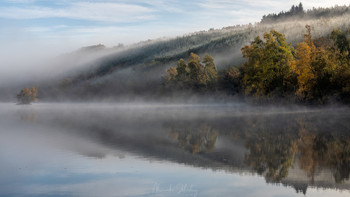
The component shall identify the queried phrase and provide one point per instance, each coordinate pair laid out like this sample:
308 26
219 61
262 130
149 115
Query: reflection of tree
312 143
308 157
300 187
271 155
195 138
28 115
324 151
338 157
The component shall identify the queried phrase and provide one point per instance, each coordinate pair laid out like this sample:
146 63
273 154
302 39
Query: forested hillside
138 69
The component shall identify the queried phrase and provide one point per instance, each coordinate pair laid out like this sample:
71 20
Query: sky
30 29
76 23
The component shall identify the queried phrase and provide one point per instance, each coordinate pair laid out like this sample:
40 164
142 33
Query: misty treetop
298 12
314 71
294 11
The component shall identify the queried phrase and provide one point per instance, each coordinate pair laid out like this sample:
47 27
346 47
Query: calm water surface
173 150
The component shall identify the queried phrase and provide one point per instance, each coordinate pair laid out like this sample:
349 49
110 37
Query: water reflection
314 143
295 148
309 148
195 138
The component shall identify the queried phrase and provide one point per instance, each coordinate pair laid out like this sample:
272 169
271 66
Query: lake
152 149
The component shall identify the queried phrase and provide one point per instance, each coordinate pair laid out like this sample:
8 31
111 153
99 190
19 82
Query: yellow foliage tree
304 71
314 67
26 96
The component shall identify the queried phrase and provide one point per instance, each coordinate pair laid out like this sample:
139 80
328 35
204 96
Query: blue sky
75 23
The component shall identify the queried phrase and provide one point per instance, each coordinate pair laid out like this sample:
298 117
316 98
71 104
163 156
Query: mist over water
155 149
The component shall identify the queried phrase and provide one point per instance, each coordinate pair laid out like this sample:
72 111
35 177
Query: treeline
314 71
297 12
134 70
105 76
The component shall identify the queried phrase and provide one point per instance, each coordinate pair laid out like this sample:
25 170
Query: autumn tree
314 68
210 70
182 73
268 69
341 41
341 80
303 66
194 75
313 72
197 72
26 96
340 51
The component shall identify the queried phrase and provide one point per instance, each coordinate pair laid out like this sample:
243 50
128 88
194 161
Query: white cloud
37 29
20 1
44 28
316 4
219 4
106 12
220 13
170 6
229 4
